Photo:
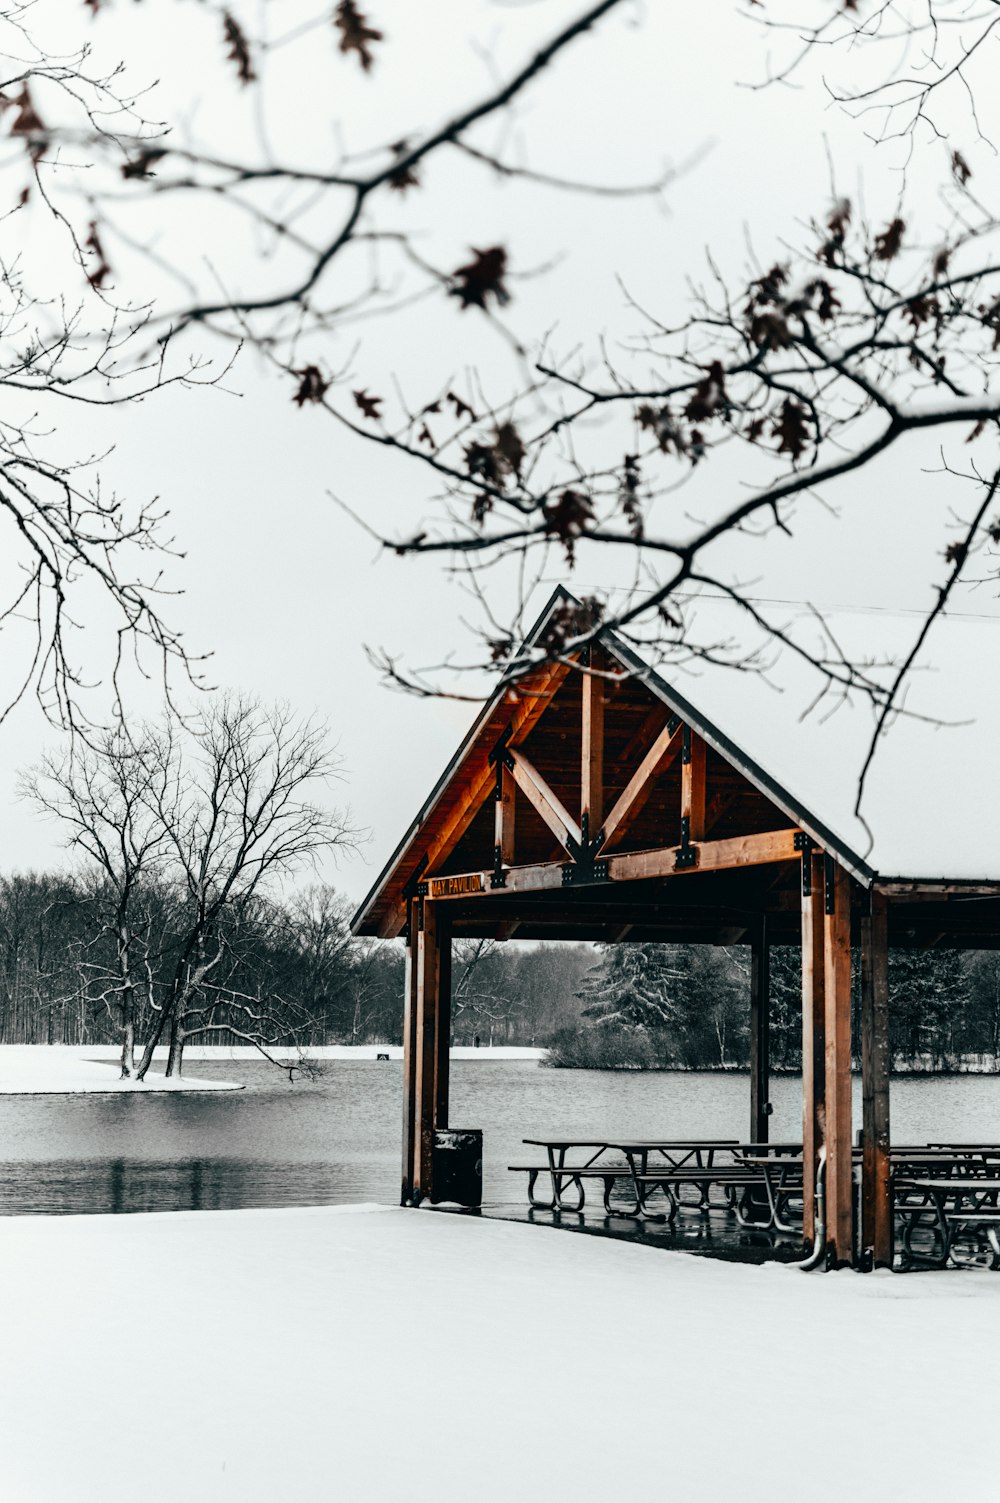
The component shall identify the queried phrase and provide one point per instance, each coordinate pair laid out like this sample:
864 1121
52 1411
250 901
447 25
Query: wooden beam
530 708
813 1035
651 726
876 1188
760 1032
505 790
712 855
693 763
592 753
461 817
546 803
409 1055
837 998
633 797
428 968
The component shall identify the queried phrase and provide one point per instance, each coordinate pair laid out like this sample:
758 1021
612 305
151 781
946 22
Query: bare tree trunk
175 1057
128 1048
127 998
151 1043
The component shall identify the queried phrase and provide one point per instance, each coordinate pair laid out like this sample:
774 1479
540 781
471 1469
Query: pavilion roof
913 827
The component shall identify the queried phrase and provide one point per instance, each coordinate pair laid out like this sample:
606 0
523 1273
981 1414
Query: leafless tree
482 994
196 819
809 366
238 812
77 553
319 933
106 797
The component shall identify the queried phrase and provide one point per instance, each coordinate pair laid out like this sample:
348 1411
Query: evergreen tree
633 985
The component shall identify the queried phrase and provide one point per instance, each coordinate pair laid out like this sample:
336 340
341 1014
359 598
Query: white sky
277 583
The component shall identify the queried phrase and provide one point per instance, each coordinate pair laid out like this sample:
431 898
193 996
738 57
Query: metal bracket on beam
500 756
412 887
582 873
805 844
499 876
687 856
686 747
829 869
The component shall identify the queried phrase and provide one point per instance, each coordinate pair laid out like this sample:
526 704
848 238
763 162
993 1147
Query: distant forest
293 965
632 1006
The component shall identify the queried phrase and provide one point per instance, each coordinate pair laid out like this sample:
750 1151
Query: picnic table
949 1207
567 1178
944 1193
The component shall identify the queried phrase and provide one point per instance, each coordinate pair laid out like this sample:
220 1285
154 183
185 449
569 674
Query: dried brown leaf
239 48
482 278
356 33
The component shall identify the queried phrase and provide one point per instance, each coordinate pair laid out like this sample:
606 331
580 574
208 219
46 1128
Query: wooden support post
442 1052
592 768
876 1187
409 1054
693 785
760 1032
813 1035
837 997
428 979
506 790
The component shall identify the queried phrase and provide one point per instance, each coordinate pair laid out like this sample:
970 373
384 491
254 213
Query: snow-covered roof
914 824
930 810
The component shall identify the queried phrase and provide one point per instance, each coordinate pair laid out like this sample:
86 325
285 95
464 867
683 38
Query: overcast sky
280 586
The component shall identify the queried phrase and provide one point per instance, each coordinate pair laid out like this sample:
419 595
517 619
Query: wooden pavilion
594 801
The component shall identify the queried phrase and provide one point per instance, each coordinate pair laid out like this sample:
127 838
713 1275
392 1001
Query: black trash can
457 1165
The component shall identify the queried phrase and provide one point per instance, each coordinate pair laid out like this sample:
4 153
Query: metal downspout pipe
817 1258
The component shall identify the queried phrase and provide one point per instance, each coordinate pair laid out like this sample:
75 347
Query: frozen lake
336 1140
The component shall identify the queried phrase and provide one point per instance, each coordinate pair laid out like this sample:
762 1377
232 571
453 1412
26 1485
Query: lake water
337 1140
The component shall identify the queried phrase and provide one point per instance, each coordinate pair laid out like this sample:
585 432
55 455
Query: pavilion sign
455 887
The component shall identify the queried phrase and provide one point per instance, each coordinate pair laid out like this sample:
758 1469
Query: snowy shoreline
73 1070
77 1069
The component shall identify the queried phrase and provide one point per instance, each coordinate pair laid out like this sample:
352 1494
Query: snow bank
313 1051
406 1354
43 1069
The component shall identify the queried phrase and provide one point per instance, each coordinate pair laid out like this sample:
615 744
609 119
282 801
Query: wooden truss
589 843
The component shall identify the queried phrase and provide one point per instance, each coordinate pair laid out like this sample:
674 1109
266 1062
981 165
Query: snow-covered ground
317 1051
53 1069
368 1355
57 1069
